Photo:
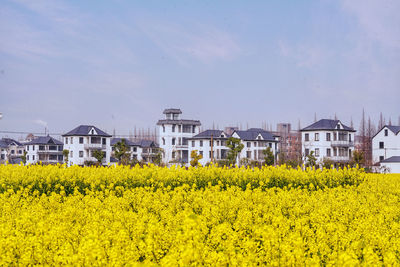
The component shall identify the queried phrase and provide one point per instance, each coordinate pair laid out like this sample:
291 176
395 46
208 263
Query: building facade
173 136
44 149
386 143
82 141
10 151
328 139
135 150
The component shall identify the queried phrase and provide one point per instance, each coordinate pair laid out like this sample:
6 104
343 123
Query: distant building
134 148
173 136
329 139
289 142
386 143
83 140
142 150
391 165
44 149
10 150
215 149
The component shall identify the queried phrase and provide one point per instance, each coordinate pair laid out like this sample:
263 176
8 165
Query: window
66 140
248 144
306 137
173 128
72 154
270 145
307 151
179 128
81 154
381 145
210 143
80 140
194 128
27 157
72 140
201 142
27 148
201 153
217 143
209 154
173 141
328 152
381 158
173 154
13 151
386 132
316 136
317 152
134 149
33 148
163 128
334 136
248 154
33 157
163 141
350 137
193 143
334 152
349 152
104 141
255 144
328 136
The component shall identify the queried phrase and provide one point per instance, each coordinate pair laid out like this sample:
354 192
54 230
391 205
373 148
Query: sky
119 64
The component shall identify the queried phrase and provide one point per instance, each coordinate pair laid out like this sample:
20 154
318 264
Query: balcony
342 143
48 151
94 146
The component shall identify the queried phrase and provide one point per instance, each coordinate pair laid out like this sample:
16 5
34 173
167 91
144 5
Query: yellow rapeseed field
54 215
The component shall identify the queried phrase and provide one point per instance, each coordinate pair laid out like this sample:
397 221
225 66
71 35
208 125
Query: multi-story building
289 142
134 148
83 140
386 143
255 141
11 150
149 150
173 135
211 144
44 149
329 139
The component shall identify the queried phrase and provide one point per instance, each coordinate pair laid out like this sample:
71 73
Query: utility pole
212 149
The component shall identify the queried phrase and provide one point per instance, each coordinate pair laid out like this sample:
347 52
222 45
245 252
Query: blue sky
118 64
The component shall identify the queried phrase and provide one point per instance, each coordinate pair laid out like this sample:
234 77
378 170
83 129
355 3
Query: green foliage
269 158
235 147
23 157
327 163
99 156
311 160
121 152
65 153
195 158
358 158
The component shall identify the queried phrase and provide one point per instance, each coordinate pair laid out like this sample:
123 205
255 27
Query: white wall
75 147
391 145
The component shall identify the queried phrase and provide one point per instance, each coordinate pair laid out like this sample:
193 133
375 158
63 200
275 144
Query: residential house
149 151
329 139
83 140
11 151
386 144
135 149
44 149
173 135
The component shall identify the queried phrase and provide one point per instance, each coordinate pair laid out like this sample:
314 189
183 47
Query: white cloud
40 122
202 43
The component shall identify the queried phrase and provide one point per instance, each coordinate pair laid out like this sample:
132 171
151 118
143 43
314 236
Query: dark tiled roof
392 159
8 142
184 122
172 110
127 142
44 140
83 130
394 129
251 134
326 124
208 133
147 143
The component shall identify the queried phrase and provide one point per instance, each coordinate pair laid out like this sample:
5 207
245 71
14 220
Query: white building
386 143
173 136
202 143
11 151
44 149
255 141
329 139
391 165
143 150
82 141
134 148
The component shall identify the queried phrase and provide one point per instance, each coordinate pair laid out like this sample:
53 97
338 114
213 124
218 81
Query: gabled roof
44 140
84 130
394 129
172 110
127 142
6 142
215 134
326 124
146 143
252 134
392 159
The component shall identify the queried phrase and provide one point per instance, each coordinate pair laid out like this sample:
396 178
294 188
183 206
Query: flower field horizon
151 215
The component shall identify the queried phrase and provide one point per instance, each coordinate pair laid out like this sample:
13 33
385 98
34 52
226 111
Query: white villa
173 136
329 139
386 148
134 148
82 141
44 149
11 151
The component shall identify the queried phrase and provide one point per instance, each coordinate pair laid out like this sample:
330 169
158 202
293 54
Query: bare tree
381 121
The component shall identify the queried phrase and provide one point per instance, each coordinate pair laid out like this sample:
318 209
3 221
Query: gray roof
6 142
127 142
184 122
172 110
394 129
392 159
83 130
207 134
147 143
251 134
44 140
326 124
